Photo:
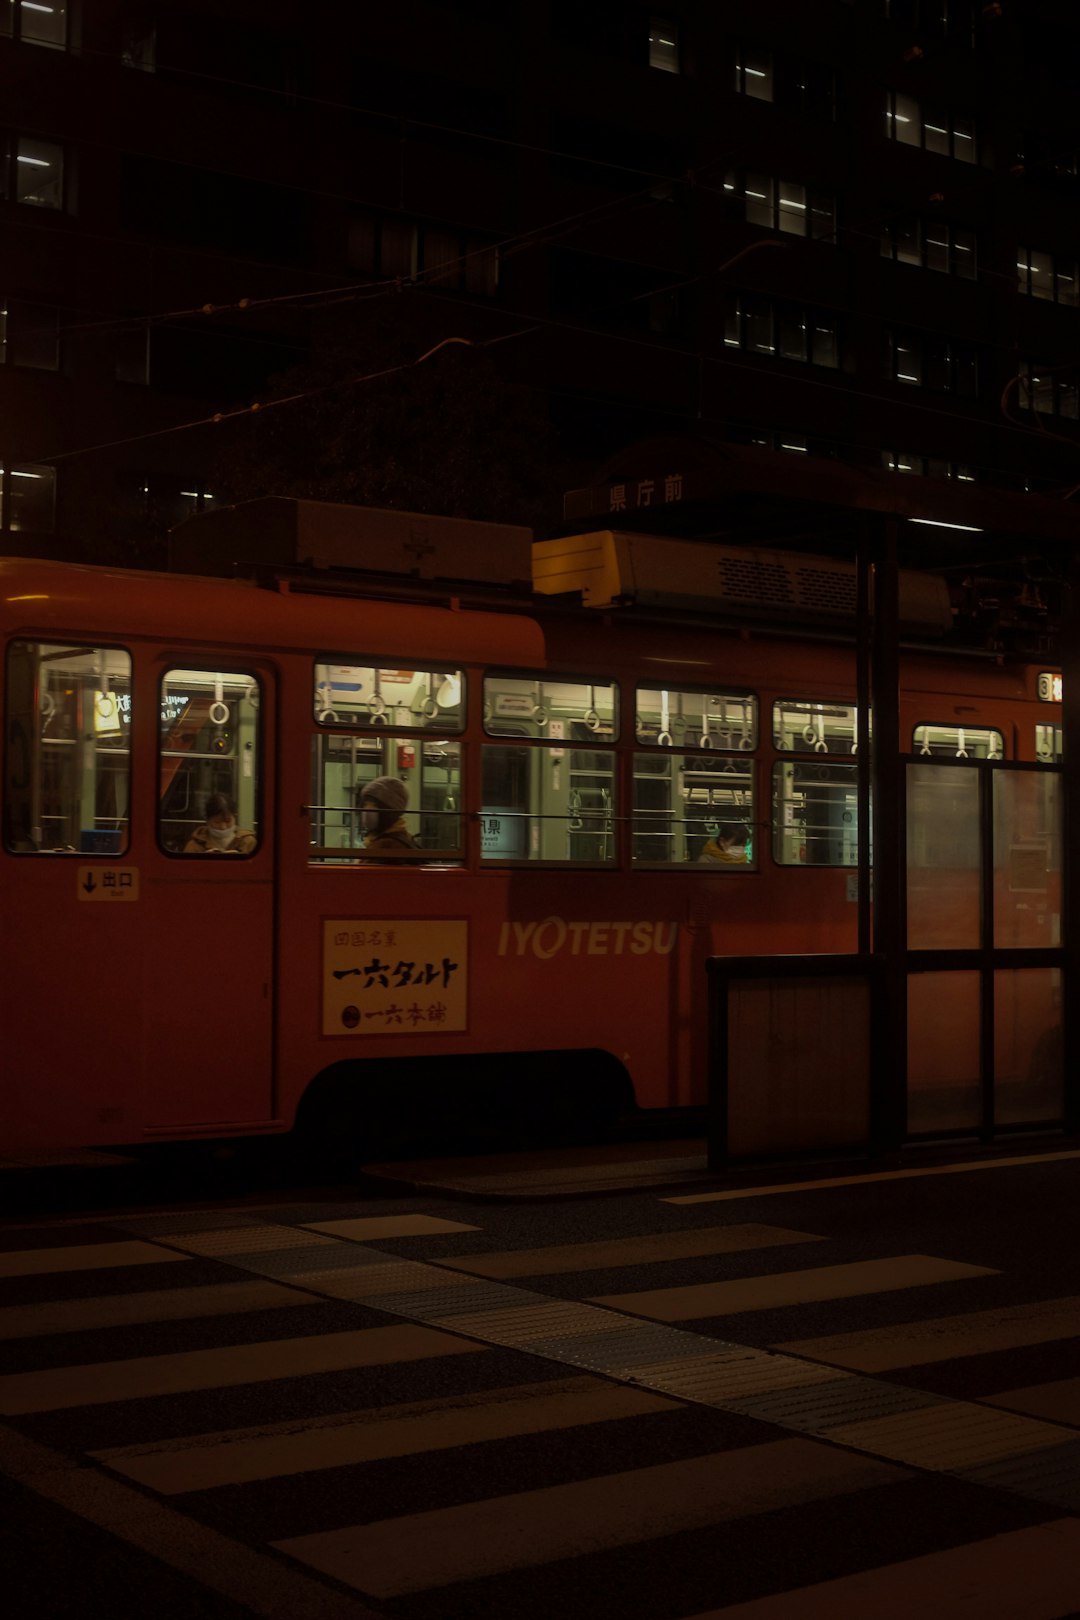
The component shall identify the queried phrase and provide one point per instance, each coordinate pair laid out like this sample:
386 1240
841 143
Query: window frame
1058 262
19 638
916 114
13 139
607 817
781 313
958 356
924 751
17 33
378 663
676 814
253 675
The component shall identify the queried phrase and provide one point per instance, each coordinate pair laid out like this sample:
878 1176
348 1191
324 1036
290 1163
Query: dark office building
847 232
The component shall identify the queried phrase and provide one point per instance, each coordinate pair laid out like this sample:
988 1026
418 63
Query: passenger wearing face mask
220 834
382 804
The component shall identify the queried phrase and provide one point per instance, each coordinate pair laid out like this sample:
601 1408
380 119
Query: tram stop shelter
814 1054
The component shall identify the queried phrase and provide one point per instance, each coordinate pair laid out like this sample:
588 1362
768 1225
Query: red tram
598 800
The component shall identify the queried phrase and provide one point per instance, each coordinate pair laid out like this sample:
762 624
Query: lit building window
664 44
27 498
927 360
787 331
949 133
907 461
931 245
1051 390
34 172
1047 275
753 72
35 22
793 83
784 205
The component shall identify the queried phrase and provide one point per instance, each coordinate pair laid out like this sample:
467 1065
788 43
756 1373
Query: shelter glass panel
341 768
1027 859
944 1089
209 762
694 810
1028 1052
356 695
67 782
944 850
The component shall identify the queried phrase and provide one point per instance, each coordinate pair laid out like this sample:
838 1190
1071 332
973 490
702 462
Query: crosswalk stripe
370 1228
419 1551
149 1305
1058 1401
1030 1572
255 1582
791 1287
253 1239
727 1194
944 1338
631 1251
235 1457
84 1257
60 1387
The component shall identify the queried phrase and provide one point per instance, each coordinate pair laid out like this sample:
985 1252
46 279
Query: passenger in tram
382 807
727 846
220 835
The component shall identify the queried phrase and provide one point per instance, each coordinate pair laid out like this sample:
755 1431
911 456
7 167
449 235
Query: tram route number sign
395 976
107 883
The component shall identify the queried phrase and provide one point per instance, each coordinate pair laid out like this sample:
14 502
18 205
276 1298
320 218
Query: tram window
209 737
803 727
353 696
694 810
958 742
67 781
815 813
430 768
555 711
548 804
700 717
1048 744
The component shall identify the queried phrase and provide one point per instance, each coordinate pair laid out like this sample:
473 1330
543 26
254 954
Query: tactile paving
820 1408
546 1318
623 1348
435 1304
401 1277
952 1437
734 1375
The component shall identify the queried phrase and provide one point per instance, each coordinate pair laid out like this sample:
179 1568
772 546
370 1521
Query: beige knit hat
388 792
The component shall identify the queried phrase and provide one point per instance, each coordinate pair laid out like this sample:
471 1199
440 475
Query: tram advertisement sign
395 976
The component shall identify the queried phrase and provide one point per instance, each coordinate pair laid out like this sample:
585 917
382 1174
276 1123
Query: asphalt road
749 1397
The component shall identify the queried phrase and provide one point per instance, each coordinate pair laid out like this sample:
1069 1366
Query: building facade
845 230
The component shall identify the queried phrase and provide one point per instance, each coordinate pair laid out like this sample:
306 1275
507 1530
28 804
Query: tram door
207 980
